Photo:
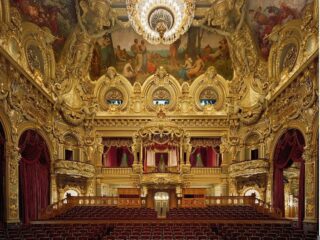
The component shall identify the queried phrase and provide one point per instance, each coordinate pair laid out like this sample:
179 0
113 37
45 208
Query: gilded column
54 191
13 184
91 187
181 152
310 185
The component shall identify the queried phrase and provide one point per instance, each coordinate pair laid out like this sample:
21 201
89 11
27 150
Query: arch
6 133
31 126
2 174
34 175
250 191
252 146
288 149
71 192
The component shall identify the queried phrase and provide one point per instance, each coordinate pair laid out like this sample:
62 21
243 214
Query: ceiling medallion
161 21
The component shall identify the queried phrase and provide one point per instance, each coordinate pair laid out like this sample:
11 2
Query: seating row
156 231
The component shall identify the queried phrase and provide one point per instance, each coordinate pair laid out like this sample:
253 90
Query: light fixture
161 21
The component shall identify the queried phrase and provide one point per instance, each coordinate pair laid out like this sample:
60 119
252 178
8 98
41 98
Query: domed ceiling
186 58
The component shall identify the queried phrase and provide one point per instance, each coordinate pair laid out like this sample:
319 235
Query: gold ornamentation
73 168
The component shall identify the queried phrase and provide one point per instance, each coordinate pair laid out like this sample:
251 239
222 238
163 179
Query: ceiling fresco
185 59
264 15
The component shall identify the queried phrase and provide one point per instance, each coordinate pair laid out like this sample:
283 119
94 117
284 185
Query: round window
208 97
114 97
161 97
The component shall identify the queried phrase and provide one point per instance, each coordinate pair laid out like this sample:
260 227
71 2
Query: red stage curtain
34 173
289 149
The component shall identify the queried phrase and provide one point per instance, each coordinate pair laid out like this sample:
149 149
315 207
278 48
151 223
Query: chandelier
161 21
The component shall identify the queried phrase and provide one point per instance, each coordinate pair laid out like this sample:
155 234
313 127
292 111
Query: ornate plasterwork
75 169
113 82
285 50
73 88
10 36
160 180
161 80
189 122
248 168
210 80
295 99
37 44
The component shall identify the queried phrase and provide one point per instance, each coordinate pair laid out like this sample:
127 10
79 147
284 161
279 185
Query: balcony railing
205 171
116 171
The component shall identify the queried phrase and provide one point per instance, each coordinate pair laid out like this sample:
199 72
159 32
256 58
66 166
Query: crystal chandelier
161 21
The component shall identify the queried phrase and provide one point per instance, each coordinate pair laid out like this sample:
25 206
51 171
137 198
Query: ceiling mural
186 58
57 15
136 59
264 15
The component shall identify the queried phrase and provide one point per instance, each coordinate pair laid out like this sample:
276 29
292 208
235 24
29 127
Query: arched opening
34 175
70 193
71 148
288 151
252 147
161 200
2 174
251 192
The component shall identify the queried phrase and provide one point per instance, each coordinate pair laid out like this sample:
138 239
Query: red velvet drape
114 156
289 149
34 175
208 156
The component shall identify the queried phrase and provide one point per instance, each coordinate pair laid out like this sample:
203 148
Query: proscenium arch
34 174
293 125
288 148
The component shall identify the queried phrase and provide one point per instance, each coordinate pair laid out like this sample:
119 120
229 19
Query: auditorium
159 119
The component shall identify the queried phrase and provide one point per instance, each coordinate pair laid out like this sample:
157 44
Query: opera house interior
159 119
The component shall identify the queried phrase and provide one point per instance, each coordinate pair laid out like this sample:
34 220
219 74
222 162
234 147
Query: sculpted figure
94 21
227 18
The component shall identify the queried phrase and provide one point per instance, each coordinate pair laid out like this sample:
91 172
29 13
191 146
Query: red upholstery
191 231
217 212
100 212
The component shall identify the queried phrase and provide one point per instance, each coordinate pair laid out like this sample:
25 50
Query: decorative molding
248 168
73 168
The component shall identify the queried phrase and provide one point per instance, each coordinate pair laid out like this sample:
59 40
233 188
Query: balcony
75 169
116 171
205 171
248 168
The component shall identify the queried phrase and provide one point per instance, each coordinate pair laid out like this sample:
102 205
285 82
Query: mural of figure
92 21
186 66
129 72
106 52
197 68
136 50
236 30
174 52
143 50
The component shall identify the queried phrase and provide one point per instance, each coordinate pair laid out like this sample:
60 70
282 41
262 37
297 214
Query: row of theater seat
59 232
101 212
157 232
217 212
